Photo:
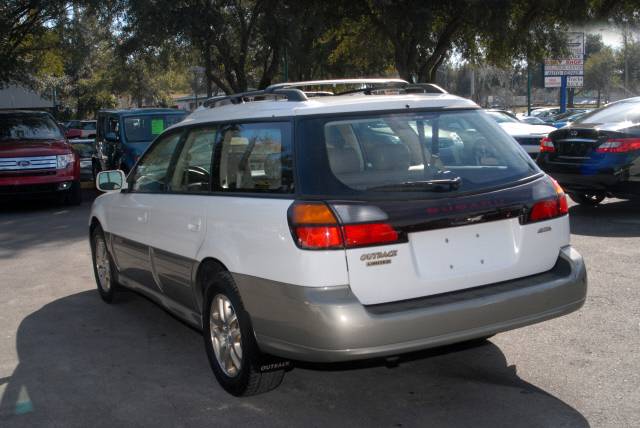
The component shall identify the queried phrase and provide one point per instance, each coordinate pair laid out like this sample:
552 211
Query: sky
611 34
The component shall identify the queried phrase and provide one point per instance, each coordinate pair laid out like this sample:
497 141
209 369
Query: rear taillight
315 226
619 145
356 235
546 145
550 208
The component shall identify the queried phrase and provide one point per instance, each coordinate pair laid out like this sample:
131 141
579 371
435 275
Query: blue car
123 135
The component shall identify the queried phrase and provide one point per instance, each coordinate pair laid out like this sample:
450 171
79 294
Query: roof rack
334 82
242 97
367 86
291 90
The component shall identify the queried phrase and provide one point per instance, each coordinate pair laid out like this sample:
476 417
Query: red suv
35 157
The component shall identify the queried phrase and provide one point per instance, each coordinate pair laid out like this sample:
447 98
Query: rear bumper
330 324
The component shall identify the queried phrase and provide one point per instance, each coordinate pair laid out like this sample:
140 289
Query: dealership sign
555 81
571 66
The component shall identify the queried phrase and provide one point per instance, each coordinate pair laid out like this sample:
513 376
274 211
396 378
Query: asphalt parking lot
67 359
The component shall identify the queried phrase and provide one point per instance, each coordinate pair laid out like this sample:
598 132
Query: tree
423 34
27 37
239 42
599 72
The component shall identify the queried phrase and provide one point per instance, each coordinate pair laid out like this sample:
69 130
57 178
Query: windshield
623 111
501 117
456 151
29 127
146 128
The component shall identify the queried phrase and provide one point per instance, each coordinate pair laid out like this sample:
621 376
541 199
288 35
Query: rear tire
233 353
589 199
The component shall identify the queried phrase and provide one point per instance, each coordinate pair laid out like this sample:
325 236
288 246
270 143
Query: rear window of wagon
415 154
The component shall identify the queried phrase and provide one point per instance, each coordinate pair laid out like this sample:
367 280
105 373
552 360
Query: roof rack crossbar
368 86
370 82
290 94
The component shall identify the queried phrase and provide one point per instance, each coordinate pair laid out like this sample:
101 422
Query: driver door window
193 167
152 173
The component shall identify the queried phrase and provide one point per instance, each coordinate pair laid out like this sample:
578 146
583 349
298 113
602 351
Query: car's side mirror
109 181
111 137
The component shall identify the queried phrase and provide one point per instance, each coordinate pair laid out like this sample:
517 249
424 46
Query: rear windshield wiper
436 185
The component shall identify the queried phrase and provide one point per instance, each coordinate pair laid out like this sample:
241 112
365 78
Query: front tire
103 267
233 353
589 199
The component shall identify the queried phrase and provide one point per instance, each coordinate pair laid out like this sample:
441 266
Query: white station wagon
299 224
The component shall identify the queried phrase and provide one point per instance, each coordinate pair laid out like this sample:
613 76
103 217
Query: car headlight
65 160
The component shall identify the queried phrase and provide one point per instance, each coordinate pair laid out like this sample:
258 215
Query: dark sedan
597 156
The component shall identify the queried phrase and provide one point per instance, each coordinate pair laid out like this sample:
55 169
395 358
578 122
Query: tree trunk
207 69
598 105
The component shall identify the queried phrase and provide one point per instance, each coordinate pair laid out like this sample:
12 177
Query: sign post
563 94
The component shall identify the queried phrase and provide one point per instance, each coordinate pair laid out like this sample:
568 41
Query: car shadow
43 221
612 218
86 363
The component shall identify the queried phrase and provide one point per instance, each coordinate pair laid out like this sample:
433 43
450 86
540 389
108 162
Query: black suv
597 156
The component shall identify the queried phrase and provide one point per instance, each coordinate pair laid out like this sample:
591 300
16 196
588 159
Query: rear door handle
144 217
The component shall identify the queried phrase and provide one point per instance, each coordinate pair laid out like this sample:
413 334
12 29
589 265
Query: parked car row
526 134
80 129
36 158
40 157
597 155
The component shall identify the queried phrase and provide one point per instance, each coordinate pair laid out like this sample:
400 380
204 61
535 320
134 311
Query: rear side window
426 153
255 158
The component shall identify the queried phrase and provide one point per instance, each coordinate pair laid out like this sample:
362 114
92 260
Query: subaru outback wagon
337 225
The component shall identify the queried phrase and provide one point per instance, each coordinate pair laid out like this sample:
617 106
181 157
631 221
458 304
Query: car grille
28 163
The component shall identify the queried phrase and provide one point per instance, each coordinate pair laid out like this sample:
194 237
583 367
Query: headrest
343 161
386 157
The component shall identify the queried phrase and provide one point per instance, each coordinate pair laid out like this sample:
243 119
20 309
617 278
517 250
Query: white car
387 219
527 135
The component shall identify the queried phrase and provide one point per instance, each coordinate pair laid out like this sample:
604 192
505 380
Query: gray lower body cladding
329 324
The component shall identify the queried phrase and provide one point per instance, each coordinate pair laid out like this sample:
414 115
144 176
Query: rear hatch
428 202
449 245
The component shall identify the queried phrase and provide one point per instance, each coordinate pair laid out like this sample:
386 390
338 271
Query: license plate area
462 251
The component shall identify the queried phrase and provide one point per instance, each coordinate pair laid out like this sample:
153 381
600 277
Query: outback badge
378 258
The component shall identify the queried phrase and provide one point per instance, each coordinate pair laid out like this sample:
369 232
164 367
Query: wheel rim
103 266
225 335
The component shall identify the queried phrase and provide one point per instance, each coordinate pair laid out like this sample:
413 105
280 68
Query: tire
74 195
589 199
236 367
103 266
